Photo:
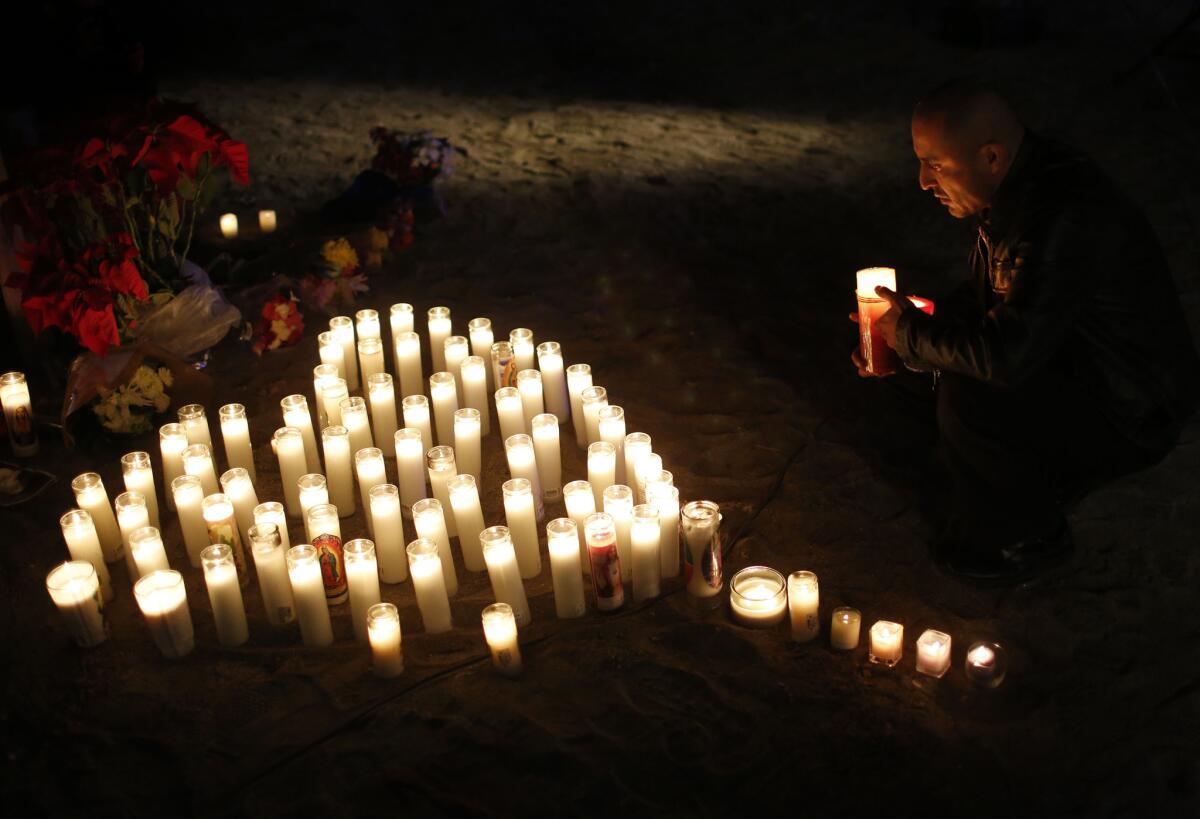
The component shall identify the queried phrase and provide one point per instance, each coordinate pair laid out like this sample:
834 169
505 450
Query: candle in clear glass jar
562 541
326 536
500 631
441 467
289 449
456 351
267 221
701 525
636 447
333 394
308 593
611 424
510 412
229 225
354 418
314 490
162 598
147 550
580 502
429 520
389 533
198 461
438 319
554 380
131 514
482 339
332 353
522 463
879 358
343 330
522 525
370 358
649 465
195 424
887 643
408 364
410 468
273 512
504 571
521 340
548 455
475 391
445 403
18 414
804 600
222 528
139 477
172 441
933 653
416 416
75 590
618 504
366 324
324 375
400 317
468 519
383 631
593 399
601 536
372 471
602 467
335 440
383 412
84 544
429 585
579 378
504 365
529 385
758 597
844 626
985 665
189 495
645 534
236 484
467 444
270 564
225 595
666 499
235 432
91 498
297 416
362 576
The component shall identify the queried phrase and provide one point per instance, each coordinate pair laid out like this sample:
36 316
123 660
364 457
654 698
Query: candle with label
522 525
522 463
18 414
879 358
333 394
548 455
580 502
887 643
933 653
636 447
172 441
162 598
438 319
521 340
429 585
235 432
131 514
195 424
289 449
499 553
343 330
445 403
335 441
579 378
267 221
666 500
146 548
308 593
601 536
429 520
225 595
529 385
592 400
383 632
139 477
482 339
456 351
314 490
500 631
701 525
91 498
510 412
844 627
372 471
222 528
84 544
270 564
238 487
410 468
355 420
389 533
416 416
326 535
383 412
804 600
273 512
645 534
475 391
370 358
504 365
297 416
468 519
758 597
562 541
198 461
467 444
75 590
611 424
602 468
554 380
229 225
408 364
362 576
618 504
189 495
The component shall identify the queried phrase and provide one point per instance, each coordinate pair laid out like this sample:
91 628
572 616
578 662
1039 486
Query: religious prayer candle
18 414
296 415
592 399
429 585
500 555
270 564
324 375
701 525
410 468
221 521
267 221
273 512
649 465
162 598
354 418
887 643
500 631
618 504
467 444
985 665
602 467
236 484
400 317
372 471
147 550
666 499
172 441
195 424
343 330
456 351
933 653
370 358
408 364
522 463
235 432
84 544
308 594
504 365
636 447
529 385
844 626
644 535
189 495
579 378
482 339
445 404
75 590
521 340
339 484
314 491
198 461
580 502
554 380
132 514
441 466
322 522
138 475
601 537
438 319
879 358
229 225
804 599
548 455
758 597
611 424
289 449
389 533
383 412
475 391
429 520
366 324
225 595
468 517
362 576
416 416
521 518
383 632
510 411
332 353
562 541
91 497
334 393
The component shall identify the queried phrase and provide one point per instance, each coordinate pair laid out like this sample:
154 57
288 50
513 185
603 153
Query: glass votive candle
75 590
197 460
933 653
147 550
533 402
229 225
342 328
510 412
132 514
548 455
524 351
332 353
592 399
986 664
407 349
172 441
267 221
600 533
138 474
225 595
758 597
366 324
438 319
804 599
456 348
314 490
195 424
235 431
83 543
579 378
162 598
500 631
18 414
400 317
370 358
383 631
844 627
887 643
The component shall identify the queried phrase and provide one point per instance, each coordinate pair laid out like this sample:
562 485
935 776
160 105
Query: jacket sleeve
1014 339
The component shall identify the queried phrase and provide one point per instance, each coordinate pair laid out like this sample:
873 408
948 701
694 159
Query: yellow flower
379 239
166 376
339 254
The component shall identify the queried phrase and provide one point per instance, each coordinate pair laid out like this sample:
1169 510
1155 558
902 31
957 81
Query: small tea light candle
844 626
334 393
879 358
475 391
343 330
162 598
335 441
172 441
273 512
521 340
370 358
522 463
985 665
149 554
408 363
445 403
289 449
645 534
139 477
468 519
482 339
383 632
522 525
504 572
500 631
236 484
18 414
429 585
580 502
225 595
456 350
554 380
467 443
389 533
195 424
189 495
602 467
75 590
438 319
91 497
270 564
648 465
84 544
430 522
400 318
758 597
504 365
611 423
529 385
383 412
410 468
314 491
636 447
331 351
579 378
229 225
601 536
132 514
548 455
592 399
510 411
296 415
366 324
441 467
372 471
362 575
887 643
308 592
416 416
222 528
933 653
804 600
562 540
266 221
666 499
235 432
198 461
618 502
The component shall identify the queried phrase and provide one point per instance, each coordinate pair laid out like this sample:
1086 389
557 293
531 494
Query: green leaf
187 188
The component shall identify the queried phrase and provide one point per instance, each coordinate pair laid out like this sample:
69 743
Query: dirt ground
698 250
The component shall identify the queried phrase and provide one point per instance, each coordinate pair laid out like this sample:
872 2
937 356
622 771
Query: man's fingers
860 365
893 298
854 317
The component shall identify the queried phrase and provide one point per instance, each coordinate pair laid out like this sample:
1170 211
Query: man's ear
994 155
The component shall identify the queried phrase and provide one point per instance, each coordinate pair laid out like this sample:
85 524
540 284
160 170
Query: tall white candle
235 432
416 416
648 466
372 471
333 394
229 225
429 585
370 358
933 653
382 396
267 221
335 440
297 416
332 353
84 544
195 424
445 403
522 525
618 503
592 399
389 533
645 535
456 350
504 572
289 449
468 519
408 364
475 391
441 467
521 340
601 536
548 455
308 593
522 463
326 535
804 600
438 319
504 365
75 590
236 484
225 595
324 375
162 598
637 446
579 378
383 631
18 414
554 380
314 491
611 423
220 519
844 626
602 469
362 575
366 324
273 512
355 420
149 554
887 643
500 632
91 498
131 514
410 468
529 385
270 564
666 498
430 522
467 444
172 441
139 477
198 461
580 502
189 494
343 330
400 317
758 597
482 339
510 412
562 541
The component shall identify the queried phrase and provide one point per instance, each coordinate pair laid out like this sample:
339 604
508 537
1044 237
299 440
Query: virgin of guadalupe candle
522 463
456 351
339 484
548 455
332 353
438 319
579 378
354 418
314 490
147 550
91 498
445 404
522 525
580 503
370 358
383 632
225 595
844 626
521 340
504 365
362 576
592 399
429 585
442 467
503 571
195 424
198 461
618 503
235 432
416 416
132 514
273 512
602 468
468 518
482 339
84 544
324 375
138 475
933 653
389 533
410 468
467 445
163 600
75 590
510 412
804 600
18 414
562 541
430 522
985 664
366 324
529 385
270 564
334 393
266 221
701 524
343 330
297 416
611 423
879 358
666 499
758 597
289 449
500 631
887 643
189 495
554 380
308 592
475 391
172 441
222 528
636 447
238 487
408 364
322 522
229 225
400 317
601 536
383 412
645 534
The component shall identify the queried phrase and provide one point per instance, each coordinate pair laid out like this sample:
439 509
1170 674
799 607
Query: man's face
960 176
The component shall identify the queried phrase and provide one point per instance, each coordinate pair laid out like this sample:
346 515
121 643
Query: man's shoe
1008 564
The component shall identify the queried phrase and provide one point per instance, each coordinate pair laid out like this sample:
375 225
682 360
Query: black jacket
1069 281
